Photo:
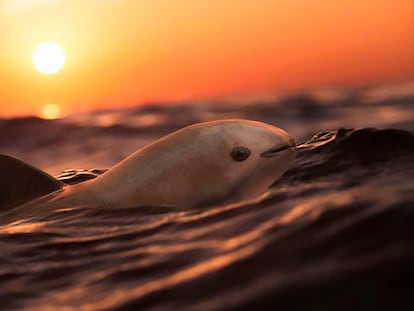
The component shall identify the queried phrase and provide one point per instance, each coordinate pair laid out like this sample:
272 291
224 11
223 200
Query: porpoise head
210 163
249 157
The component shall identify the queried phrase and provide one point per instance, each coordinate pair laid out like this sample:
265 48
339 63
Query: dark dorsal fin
21 182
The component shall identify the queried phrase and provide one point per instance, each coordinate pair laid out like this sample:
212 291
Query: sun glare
50 111
48 57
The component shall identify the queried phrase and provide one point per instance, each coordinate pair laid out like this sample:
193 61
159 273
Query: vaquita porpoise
211 163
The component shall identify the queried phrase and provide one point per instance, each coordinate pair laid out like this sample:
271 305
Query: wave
335 233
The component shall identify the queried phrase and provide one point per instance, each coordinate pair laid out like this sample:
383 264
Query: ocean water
336 232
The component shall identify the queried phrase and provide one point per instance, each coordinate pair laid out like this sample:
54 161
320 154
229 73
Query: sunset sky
130 52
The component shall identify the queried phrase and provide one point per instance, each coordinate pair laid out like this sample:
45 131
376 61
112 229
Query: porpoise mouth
278 148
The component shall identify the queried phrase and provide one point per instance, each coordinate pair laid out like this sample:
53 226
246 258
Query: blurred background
85 83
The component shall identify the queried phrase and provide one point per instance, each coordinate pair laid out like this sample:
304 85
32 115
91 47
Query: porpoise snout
288 144
292 144
286 138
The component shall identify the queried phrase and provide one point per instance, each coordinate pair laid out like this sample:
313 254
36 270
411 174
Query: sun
48 57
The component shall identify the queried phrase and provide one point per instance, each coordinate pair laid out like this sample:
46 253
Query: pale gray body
194 166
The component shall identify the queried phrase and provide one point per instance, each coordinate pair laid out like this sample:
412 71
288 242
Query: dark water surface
335 233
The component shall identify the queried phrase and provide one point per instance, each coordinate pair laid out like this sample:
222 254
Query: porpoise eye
240 153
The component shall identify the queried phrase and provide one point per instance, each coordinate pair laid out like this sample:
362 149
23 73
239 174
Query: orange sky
123 52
